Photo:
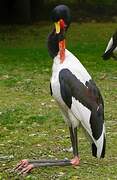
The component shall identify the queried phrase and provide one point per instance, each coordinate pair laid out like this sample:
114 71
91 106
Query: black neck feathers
53 44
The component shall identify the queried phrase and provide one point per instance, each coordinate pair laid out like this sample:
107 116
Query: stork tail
95 149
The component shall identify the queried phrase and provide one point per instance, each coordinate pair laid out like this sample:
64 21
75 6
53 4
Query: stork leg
73 135
26 165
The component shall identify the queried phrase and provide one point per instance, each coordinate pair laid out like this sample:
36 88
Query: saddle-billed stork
111 49
76 94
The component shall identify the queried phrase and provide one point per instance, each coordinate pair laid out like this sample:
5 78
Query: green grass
31 125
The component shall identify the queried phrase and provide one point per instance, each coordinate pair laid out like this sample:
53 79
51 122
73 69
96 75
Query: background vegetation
28 11
31 125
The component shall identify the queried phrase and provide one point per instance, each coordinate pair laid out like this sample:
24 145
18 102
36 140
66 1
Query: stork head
61 17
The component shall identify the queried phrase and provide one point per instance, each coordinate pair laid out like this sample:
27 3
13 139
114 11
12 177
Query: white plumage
78 112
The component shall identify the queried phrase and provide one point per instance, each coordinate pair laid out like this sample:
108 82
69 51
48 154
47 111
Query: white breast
71 63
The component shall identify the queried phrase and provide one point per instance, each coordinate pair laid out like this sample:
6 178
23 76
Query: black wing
88 94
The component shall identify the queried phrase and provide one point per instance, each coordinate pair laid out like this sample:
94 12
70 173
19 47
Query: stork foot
75 161
26 169
23 167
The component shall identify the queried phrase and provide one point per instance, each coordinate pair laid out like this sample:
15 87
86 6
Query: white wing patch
82 113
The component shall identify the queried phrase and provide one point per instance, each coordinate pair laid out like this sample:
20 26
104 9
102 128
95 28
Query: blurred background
28 11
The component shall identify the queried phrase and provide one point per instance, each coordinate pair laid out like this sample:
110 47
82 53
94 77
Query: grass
31 125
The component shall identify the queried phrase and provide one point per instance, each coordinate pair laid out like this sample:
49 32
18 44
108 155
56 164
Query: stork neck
56 43
53 44
62 50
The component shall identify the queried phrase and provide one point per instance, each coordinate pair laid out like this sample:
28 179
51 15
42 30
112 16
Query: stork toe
26 169
23 163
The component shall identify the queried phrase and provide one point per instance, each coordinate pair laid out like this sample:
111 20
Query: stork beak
57 27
